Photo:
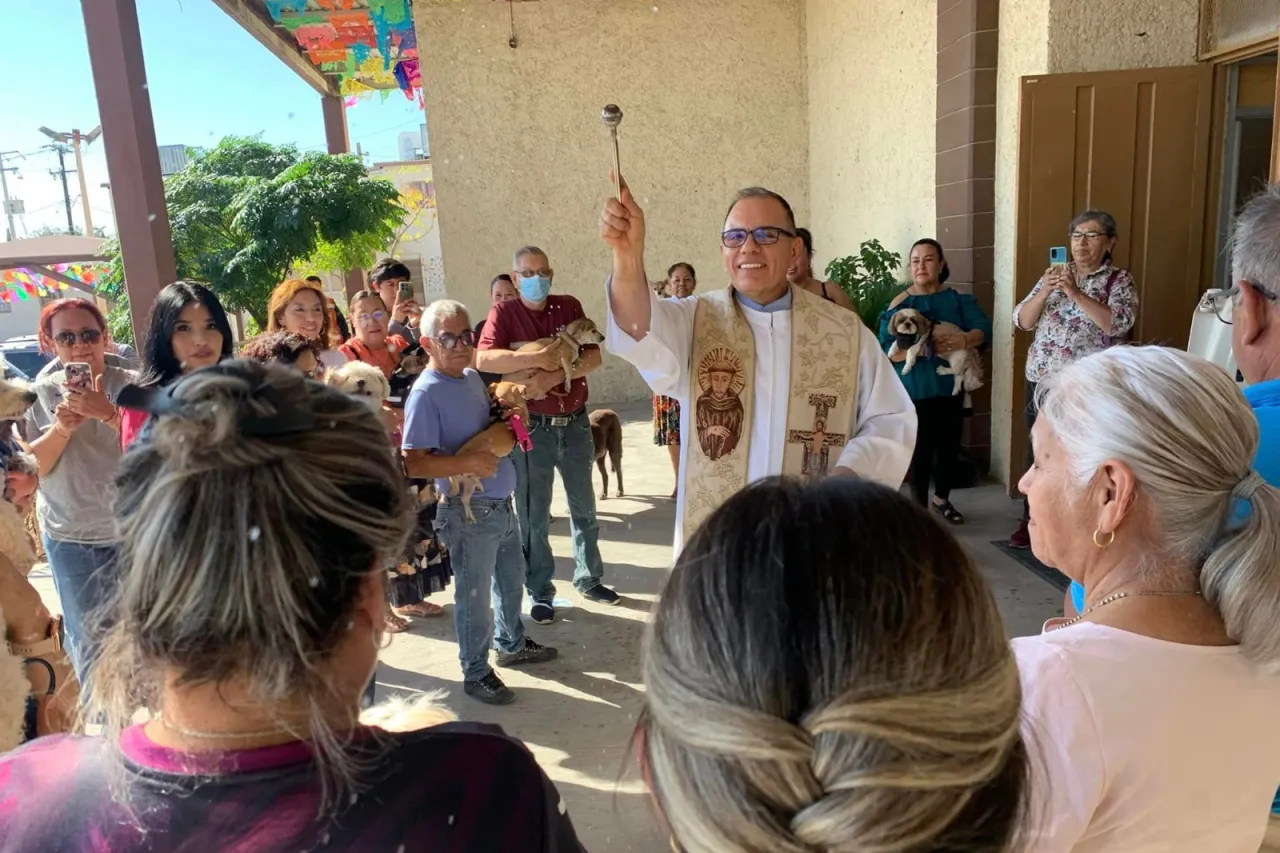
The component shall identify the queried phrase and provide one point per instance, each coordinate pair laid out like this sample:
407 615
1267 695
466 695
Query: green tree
245 212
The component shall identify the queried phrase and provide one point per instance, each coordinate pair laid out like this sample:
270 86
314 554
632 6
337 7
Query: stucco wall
1024 50
872 69
1089 36
714 97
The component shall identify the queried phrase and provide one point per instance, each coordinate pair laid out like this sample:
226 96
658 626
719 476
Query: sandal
425 609
949 512
395 624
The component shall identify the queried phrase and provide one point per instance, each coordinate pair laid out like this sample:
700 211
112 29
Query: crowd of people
825 669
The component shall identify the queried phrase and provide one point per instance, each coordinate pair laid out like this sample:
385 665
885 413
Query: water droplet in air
314 581
151 217
355 797
450 820
254 533
290 115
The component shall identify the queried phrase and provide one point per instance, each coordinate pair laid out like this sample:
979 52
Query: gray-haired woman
827 670
256 521
1153 710
1075 309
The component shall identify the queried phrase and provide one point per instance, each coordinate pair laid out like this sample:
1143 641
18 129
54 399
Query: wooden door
1133 143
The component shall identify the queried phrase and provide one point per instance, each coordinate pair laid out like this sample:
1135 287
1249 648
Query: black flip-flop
947 511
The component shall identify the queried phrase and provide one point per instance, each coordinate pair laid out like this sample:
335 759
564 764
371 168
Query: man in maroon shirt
558 426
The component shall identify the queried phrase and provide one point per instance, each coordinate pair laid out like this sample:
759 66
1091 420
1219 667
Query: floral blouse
1065 333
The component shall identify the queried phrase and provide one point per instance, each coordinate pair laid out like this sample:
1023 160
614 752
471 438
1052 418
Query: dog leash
521 433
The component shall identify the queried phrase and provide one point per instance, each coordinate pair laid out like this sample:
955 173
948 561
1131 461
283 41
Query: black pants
1031 411
940 421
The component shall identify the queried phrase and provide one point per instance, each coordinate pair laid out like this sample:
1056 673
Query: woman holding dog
254 742
73 429
939 411
186 330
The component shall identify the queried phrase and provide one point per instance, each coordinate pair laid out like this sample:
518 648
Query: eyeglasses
737 237
86 336
1090 236
450 341
366 319
1222 302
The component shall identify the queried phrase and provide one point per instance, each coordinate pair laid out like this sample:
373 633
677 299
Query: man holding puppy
771 378
447 406
558 426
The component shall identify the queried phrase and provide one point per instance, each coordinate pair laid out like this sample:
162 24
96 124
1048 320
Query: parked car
24 355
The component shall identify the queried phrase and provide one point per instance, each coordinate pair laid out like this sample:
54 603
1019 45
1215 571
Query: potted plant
869 279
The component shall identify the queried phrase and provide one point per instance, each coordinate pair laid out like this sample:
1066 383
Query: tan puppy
570 340
497 438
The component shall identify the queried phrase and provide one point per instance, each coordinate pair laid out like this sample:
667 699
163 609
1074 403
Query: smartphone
1058 256
78 375
406 292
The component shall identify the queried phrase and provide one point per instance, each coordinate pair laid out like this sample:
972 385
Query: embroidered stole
822 395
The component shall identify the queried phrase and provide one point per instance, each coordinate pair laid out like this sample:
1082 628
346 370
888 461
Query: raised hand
622 224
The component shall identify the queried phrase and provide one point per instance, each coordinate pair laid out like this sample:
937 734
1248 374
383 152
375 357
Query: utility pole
12 232
62 172
75 137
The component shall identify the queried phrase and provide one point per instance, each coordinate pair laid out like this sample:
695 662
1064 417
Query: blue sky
207 79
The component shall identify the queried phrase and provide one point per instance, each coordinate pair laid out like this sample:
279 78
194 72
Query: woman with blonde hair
1155 708
299 308
827 671
256 521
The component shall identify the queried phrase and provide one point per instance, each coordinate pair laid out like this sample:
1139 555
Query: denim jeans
486 556
570 450
84 577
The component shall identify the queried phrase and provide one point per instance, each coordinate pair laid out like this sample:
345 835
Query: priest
771 379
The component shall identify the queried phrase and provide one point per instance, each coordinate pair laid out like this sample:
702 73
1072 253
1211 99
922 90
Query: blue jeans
486 556
569 449
84 576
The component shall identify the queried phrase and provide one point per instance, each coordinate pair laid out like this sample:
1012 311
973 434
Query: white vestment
884 423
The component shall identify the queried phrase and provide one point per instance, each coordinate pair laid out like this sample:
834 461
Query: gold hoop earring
1111 538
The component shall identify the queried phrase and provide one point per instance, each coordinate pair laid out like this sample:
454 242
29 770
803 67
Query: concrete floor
577 713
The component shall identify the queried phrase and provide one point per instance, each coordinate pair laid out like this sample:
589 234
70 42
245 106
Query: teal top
945 306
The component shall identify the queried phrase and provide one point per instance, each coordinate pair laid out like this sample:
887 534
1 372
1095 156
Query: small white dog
913 333
361 380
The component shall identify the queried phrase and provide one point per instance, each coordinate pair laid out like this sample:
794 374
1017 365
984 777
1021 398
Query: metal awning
50 250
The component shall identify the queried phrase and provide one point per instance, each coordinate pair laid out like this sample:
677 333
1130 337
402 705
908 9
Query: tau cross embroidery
817 442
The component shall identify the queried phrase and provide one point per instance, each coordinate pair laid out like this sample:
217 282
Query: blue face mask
535 287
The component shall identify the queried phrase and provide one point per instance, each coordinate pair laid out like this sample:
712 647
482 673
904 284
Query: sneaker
489 690
531 652
1021 538
542 612
601 594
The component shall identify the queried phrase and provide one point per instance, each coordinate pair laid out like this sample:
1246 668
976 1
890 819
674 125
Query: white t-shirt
1144 746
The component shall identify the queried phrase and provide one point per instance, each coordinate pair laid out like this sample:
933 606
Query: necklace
1115 597
174 727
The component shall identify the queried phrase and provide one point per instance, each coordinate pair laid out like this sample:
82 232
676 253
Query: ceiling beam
253 16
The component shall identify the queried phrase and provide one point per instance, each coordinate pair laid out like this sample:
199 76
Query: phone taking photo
1058 256
78 375
406 292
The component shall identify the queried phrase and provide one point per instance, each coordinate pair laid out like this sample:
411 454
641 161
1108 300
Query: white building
412 144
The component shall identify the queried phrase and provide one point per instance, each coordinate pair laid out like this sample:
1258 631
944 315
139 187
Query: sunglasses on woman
85 336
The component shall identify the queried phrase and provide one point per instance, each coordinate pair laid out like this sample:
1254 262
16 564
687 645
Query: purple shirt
444 413
455 787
